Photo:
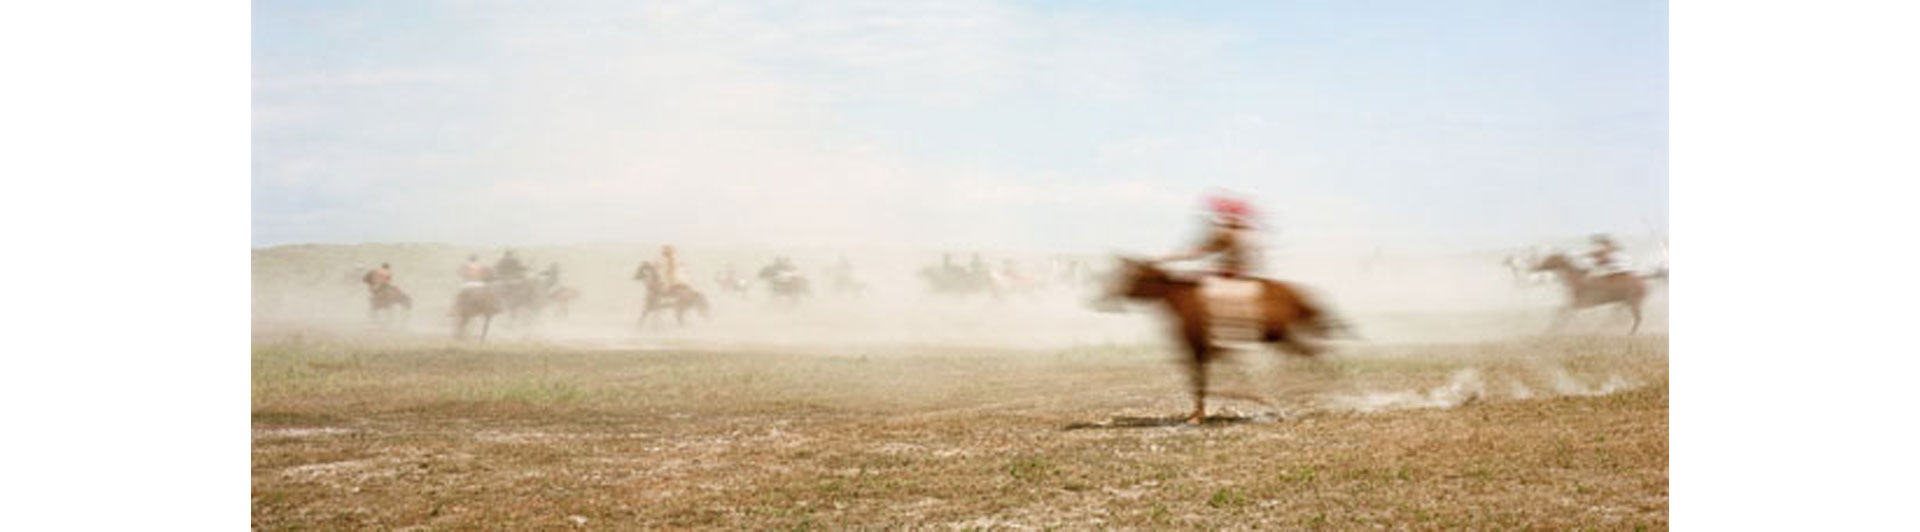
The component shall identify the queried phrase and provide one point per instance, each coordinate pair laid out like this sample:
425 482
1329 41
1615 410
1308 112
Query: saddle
1233 303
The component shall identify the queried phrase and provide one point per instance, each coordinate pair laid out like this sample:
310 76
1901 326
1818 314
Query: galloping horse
1281 315
948 280
387 297
476 300
785 282
562 298
679 297
520 298
1585 290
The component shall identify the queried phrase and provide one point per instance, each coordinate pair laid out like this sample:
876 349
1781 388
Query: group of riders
1228 240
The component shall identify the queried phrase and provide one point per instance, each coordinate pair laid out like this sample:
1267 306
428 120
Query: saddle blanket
1233 305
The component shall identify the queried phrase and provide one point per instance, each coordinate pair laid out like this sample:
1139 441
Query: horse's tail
1320 320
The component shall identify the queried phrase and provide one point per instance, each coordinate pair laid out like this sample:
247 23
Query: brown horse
1585 290
1284 318
386 298
679 297
479 300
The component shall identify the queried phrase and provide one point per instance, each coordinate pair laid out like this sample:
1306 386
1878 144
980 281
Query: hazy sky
1087 125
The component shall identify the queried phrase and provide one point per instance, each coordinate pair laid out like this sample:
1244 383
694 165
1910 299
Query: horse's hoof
1196 419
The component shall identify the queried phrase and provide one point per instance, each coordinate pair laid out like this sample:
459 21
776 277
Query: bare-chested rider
474 271
378 279
1229 239
670 268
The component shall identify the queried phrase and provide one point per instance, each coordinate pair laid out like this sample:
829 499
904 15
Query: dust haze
316 288
1406 166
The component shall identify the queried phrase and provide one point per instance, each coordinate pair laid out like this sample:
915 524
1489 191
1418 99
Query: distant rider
509 267
550 277
474 271
670 266
378 279
1605 256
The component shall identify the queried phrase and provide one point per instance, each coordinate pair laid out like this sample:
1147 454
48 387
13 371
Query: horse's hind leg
1635 309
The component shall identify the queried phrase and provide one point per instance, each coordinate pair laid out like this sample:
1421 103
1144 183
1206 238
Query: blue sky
1082 125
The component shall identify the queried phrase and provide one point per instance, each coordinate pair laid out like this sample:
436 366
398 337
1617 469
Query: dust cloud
316 289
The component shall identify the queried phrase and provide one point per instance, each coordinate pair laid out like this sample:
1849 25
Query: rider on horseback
474 272
1229 237
1605 256
550 277
509 267
378 279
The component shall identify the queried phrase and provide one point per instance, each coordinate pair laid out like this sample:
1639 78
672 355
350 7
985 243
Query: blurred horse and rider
949 278
841 279
666 290
382 295
1225 301
1601 275
785 281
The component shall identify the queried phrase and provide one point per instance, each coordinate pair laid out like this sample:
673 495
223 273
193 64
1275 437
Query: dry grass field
412 433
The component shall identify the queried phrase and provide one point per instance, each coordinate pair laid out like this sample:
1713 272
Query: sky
957 124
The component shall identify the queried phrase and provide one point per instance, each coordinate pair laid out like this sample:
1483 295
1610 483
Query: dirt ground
409 433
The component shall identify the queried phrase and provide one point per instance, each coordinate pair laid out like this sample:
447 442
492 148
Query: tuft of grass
1301 475
1160 514
1227 498
1030 469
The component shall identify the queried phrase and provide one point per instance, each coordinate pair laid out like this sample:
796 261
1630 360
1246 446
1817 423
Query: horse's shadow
1148 422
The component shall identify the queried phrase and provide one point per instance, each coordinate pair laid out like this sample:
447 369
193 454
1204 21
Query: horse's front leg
1198 372
1635 309
1559 319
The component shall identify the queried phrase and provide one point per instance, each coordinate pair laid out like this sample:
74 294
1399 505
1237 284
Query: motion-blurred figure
474 271
670 266
382 294
378 279
785 281
731 281
509 267
551 276
1605 256
559 297
1229 238
841 275
948 268
662 294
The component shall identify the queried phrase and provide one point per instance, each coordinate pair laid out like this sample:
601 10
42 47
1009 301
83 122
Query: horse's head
646 272
1138 279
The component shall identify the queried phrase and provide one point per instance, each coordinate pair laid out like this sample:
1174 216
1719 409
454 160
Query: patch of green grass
1228 498
1301 475
1160 514
1030 469
533 391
